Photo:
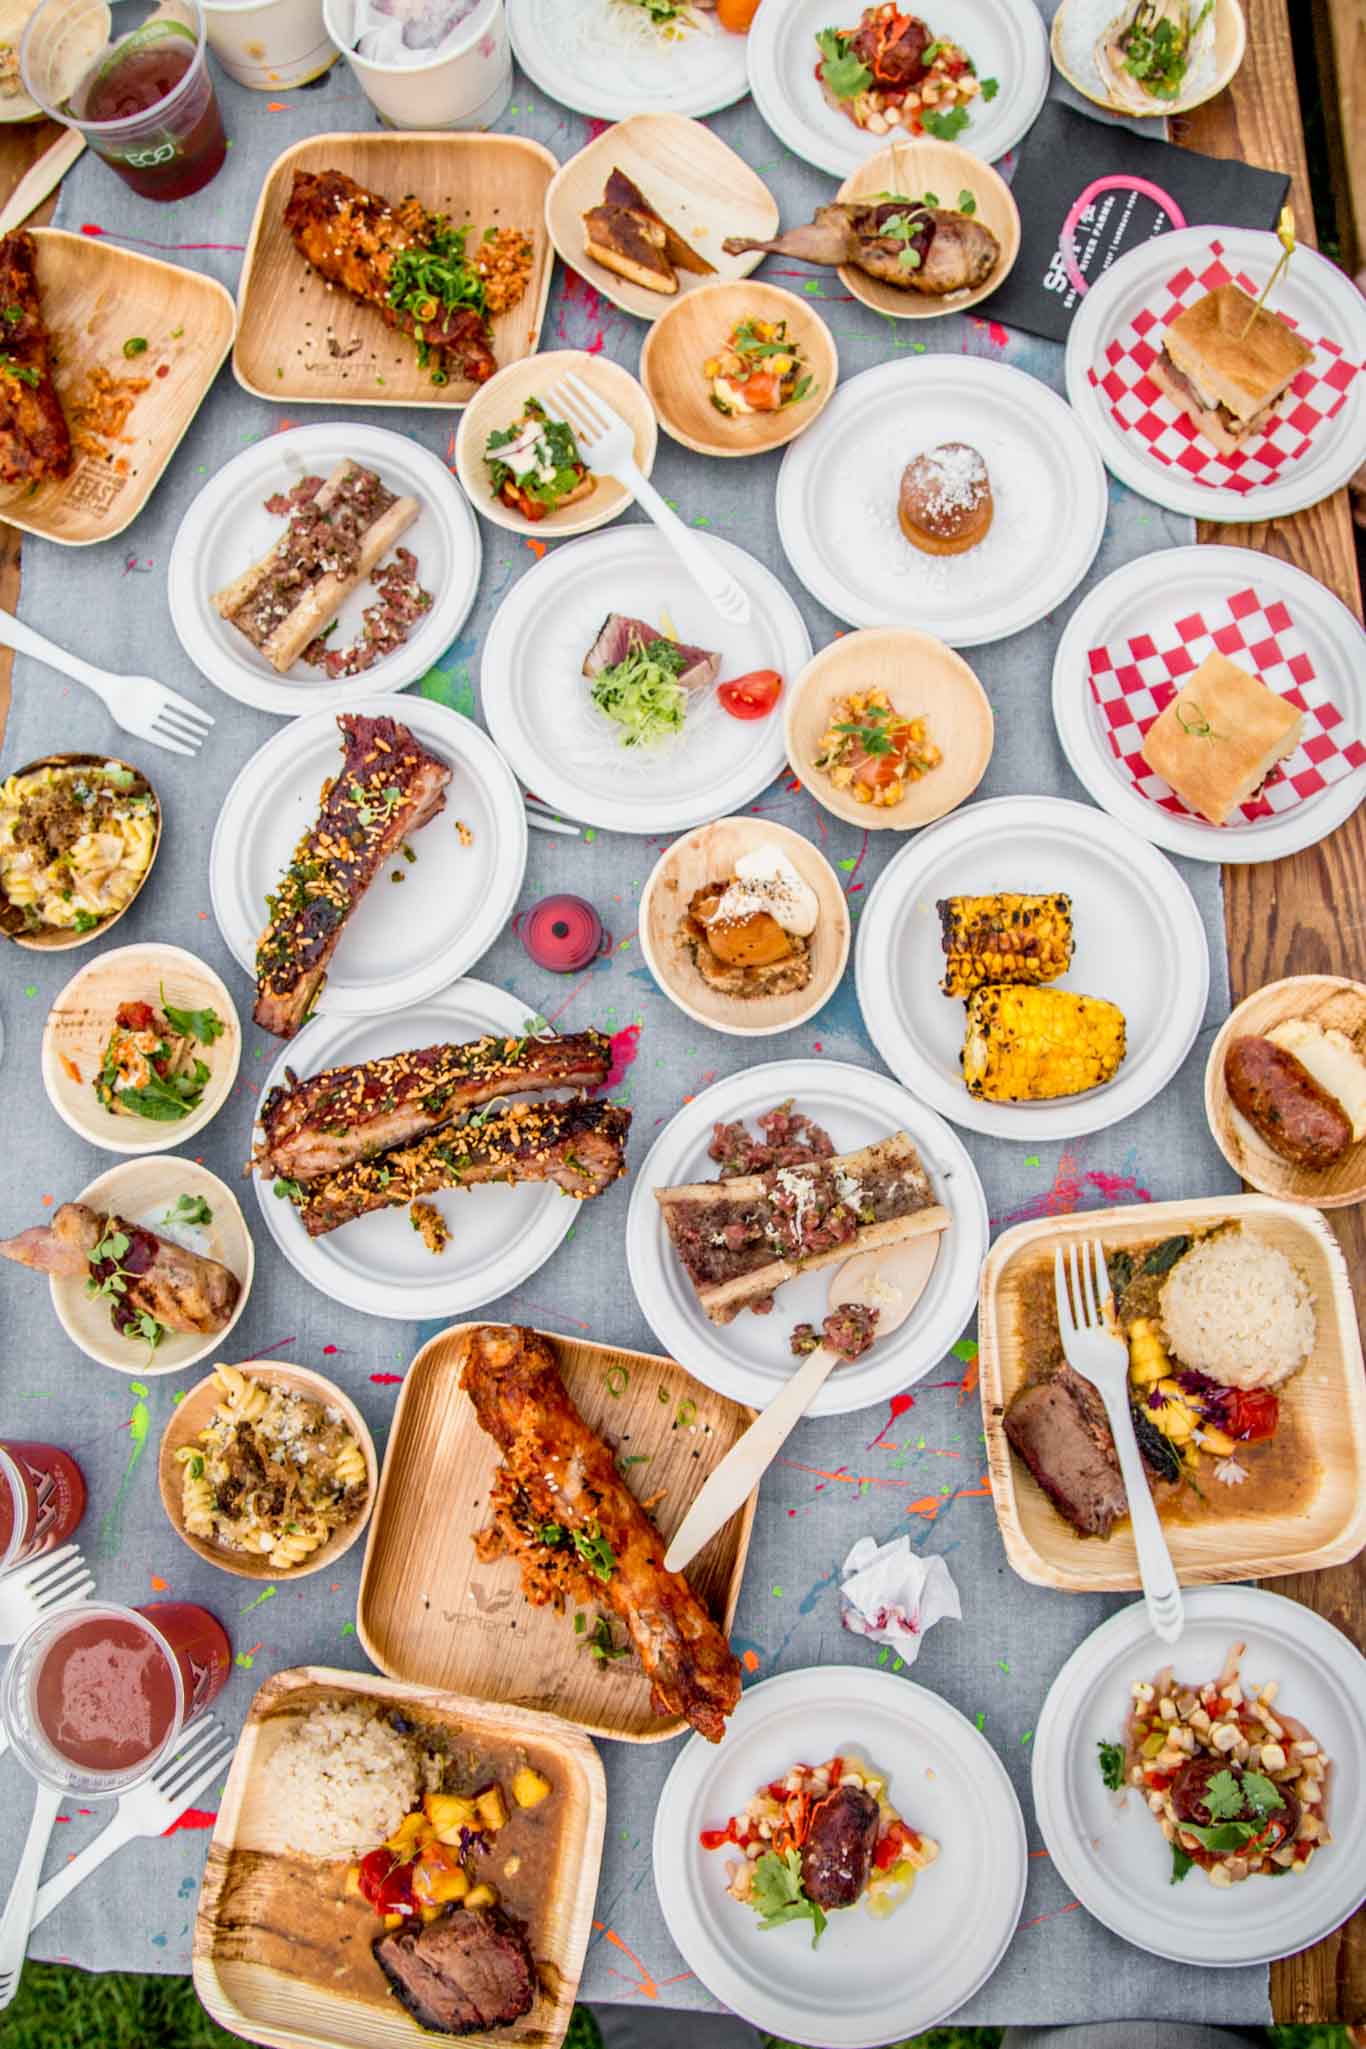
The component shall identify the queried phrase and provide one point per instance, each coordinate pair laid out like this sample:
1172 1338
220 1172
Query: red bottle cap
563 933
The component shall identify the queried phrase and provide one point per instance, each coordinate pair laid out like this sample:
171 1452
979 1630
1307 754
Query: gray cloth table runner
834 1485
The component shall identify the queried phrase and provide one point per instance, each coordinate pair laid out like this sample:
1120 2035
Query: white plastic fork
58 1580
17 1919
139 704
1096 1351
53 1581
608 446
148 1810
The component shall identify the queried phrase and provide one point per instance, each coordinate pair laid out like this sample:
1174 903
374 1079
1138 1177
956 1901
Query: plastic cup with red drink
134 80
42 1499
95 1696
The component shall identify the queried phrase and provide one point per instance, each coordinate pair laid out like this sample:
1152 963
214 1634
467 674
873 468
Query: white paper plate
570 50
379 1264
401 944
536 699
749 1359
227 529
1139 942
1312 291
1006 40
1111 1854
870 1981
1149 596
837 499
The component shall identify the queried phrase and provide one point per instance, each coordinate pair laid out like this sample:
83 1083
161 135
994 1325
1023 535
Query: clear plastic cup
134 81
95 1696
42 1499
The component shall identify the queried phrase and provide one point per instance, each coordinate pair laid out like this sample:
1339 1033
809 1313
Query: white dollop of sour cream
765 880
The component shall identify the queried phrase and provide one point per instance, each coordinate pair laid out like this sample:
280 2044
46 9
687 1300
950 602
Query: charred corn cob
1004 938
1022 1044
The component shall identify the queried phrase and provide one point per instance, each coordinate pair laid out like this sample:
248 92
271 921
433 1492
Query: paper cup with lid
461 79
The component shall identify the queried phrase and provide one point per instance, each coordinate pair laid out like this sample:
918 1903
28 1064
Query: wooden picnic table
1289 917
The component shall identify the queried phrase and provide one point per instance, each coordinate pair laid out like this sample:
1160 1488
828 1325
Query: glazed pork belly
741 1238
315 1127
579 1145
387 787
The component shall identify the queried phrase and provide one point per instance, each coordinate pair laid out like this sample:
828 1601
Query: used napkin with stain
893 1596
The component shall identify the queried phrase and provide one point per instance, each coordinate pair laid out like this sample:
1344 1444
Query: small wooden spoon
891 1280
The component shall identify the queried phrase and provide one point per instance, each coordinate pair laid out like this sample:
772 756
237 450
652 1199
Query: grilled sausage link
837 1856
1282 1101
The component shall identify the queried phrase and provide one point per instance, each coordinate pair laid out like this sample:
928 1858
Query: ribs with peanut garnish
561 1508
386 788
315 1127
579 1145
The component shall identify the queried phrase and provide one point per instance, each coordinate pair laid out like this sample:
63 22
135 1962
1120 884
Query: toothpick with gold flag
1285 235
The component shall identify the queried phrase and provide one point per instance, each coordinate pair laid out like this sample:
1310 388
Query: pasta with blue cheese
76 841
273 1474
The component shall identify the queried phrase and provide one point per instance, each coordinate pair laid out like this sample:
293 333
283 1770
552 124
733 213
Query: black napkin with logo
1066 152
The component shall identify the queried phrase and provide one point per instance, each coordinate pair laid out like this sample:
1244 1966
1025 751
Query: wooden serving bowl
1078 66
709 855
693 180
696 327
499 402
1327 1000
78 1027
54 939
192 1415
923 679
142 1190
914 167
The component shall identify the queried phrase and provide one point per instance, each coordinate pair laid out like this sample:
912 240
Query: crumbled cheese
850 1188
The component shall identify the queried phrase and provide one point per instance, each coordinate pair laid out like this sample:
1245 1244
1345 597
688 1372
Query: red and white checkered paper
1138 406
1136 679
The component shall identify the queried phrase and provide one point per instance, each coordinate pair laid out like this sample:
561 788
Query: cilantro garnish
189 1209
776 1891
1112 1765
1181 1864
1262 1795
947 126
204 1025
1157 51
990 88
1223 1797
841 72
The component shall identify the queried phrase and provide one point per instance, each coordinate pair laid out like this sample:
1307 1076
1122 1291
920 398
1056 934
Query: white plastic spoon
891 1280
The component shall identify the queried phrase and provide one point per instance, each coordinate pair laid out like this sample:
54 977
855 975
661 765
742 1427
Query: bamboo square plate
306 342
1325 1524
97 299
432 1614
282 1951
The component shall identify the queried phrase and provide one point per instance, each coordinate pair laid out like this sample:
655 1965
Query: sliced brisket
463 1973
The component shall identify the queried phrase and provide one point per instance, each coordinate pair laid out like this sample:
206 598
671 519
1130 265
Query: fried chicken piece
556 1473
35 441
351 237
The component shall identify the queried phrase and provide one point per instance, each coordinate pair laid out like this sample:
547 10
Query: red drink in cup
93 1698
42 1499
139 91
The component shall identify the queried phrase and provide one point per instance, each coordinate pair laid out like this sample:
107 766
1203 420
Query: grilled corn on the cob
1004 938
1023 1045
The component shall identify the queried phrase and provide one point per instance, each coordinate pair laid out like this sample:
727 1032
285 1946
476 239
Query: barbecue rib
35 442
351 238
180 1289
556 1472
388 785
579 1145
317 1126
952 252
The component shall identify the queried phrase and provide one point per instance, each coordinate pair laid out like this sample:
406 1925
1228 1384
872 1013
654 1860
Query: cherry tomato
752 696
894 1845
386 1883
1252 1414
762 392
879 770
736 15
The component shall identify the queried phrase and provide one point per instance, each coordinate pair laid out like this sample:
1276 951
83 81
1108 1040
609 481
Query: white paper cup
468 87
269 44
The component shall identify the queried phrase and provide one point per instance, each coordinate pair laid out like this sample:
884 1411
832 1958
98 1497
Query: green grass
116 2010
